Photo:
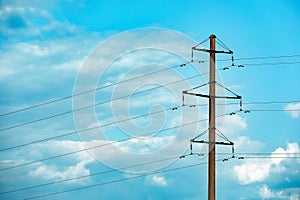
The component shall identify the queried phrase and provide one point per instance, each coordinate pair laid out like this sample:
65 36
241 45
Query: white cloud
293 106
287 194
5 72
295 197
266 193
159 180
31 22
245 144
291 148
51 172
145 144
257 170
232 124
73 166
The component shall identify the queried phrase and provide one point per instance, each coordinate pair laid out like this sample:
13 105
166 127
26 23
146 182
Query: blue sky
51 49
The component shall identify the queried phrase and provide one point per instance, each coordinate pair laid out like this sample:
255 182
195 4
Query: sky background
44 47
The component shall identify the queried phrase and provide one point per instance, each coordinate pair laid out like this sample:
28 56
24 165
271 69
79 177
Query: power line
149 163
143 115
107 144
274 110
68 112
93 174
271 102
100 103
89 91
96 104
272 63
120 180
261 57
247 103
117 180
125 179
88 129
261 153
261 64
83 150
269 157
267 57
138 77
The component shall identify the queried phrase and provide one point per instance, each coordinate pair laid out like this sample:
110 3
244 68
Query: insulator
192 55
241 104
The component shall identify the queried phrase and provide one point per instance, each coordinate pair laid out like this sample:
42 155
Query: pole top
212 36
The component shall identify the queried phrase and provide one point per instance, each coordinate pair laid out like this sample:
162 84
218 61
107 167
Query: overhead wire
139 165
260 153
274 110
151 73
99 103
90 128
96 104
143 115
137 176
89 91
269 157
266 57
133 177
149 163
271 63
89 175
257 58
120 180
242 65
247 103
107 144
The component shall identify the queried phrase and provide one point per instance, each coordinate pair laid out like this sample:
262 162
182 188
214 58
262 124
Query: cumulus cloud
265 192
74 166
232 124
245 144
30 21
252 172
293 106
159 180
52 172
289 194
258 170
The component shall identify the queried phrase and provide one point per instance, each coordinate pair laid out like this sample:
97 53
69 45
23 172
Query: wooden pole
211 156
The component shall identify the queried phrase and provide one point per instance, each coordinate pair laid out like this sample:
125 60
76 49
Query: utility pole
212 126
212 112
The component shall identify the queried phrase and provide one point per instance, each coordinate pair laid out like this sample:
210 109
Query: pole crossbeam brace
208 96
212 51
219 143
